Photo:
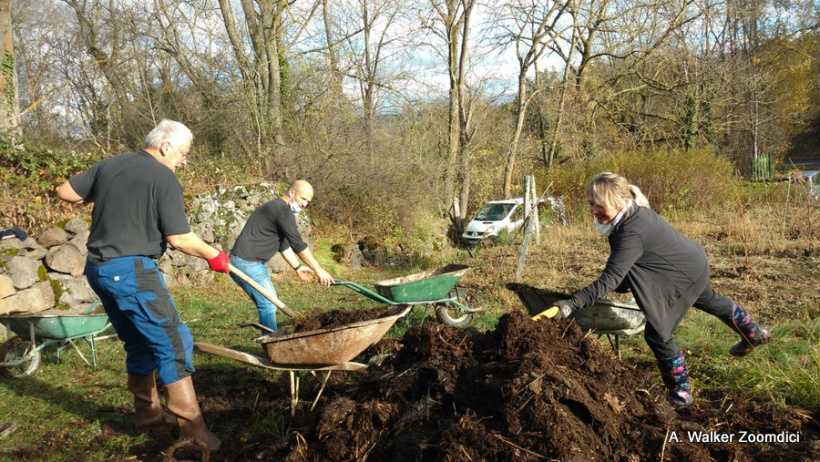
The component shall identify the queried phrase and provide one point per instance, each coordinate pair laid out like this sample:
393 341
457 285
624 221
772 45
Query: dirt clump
530 391
317 319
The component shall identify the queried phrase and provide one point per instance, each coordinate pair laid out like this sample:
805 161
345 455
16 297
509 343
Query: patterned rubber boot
676 378
751 334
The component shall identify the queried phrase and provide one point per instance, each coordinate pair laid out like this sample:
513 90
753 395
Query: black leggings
710 302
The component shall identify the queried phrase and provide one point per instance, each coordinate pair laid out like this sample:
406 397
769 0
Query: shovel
547 314
279 304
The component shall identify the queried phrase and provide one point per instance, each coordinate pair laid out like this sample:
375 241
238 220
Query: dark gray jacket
665 271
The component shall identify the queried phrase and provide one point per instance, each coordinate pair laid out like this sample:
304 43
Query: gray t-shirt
270 228
137 202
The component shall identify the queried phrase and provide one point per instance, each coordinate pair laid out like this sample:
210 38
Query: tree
531 26
379 28
10 106
449 20
260 52
610 41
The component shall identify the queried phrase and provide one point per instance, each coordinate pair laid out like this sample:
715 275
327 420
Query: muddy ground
523 391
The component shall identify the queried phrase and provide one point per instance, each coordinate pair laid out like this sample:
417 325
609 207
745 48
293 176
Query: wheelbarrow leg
294 392
93 350
615 344
321 389
74 345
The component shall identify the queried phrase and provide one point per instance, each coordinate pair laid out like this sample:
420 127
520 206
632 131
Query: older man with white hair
138 210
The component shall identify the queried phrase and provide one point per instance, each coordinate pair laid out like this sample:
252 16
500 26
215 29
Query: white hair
171 131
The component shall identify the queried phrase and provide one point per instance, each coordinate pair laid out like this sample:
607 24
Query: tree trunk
519 125
10 107
260 69
335 86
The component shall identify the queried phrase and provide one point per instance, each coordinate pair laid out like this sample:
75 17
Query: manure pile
528 391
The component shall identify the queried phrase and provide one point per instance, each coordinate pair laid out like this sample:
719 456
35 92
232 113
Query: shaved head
302 188
300 193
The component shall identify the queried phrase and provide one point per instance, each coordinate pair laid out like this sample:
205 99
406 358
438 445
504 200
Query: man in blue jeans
272 228
138 210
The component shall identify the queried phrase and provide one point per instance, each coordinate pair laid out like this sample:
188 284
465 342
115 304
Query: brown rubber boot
146 403
181 400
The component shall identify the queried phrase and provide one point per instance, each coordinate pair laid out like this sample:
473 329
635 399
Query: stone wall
46 272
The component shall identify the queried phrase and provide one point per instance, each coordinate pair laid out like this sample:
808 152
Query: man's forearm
290 257
191 244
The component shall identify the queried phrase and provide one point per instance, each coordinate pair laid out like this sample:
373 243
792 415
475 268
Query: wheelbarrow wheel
450 314
20 357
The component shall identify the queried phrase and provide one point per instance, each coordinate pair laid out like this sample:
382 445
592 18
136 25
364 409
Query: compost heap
526 391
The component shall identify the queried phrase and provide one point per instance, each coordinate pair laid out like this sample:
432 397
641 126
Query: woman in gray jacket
666 272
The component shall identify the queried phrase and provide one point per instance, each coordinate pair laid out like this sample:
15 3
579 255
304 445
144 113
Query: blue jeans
139 306
259 273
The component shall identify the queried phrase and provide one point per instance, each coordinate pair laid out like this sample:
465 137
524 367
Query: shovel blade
547 314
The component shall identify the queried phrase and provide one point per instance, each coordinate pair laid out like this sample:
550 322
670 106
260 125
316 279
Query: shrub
29 174
672 179
32 171
504 237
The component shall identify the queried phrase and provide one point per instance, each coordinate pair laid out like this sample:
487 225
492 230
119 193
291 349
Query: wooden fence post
528 225
536 222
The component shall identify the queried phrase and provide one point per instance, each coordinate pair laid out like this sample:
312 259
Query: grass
64 409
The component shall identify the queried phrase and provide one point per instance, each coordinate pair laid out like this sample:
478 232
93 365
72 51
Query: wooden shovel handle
279 304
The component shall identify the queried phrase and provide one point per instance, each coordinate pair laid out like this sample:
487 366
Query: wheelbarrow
435 288
604 317
21 355
322 350
327 350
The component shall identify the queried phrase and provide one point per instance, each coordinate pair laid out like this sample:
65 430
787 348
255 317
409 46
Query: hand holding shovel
561 309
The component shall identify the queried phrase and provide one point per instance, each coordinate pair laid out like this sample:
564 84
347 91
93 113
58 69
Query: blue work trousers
139 306
260 274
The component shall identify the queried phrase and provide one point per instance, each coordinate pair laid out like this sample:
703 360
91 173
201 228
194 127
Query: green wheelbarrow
21 355
433 288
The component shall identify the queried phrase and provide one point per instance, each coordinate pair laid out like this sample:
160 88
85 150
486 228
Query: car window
493 212
517 214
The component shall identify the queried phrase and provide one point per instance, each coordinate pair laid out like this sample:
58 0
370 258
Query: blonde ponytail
638 197
612 190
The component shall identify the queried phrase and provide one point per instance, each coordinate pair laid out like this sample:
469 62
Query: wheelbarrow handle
361 290
279 304
258 326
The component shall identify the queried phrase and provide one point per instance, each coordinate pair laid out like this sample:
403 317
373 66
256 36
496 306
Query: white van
496 215
506 214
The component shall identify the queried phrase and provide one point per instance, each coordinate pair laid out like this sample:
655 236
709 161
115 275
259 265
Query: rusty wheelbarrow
329 349
604 317
323 349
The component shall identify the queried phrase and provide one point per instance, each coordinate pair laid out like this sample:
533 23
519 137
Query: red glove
220 263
